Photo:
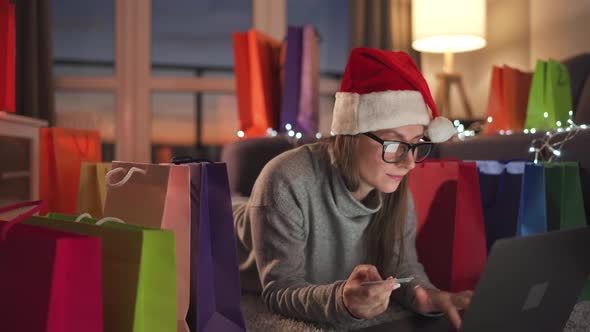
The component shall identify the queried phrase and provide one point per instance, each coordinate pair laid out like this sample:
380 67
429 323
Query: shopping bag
139 283
156 196
309 102
215 281
532 213
51 280
565 204
500 188
550 99
507 100
451 240
61 153
292 84
259 79
92 189
7 56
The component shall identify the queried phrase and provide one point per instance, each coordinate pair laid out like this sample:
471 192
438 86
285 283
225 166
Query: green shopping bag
139 279
565 204
550 98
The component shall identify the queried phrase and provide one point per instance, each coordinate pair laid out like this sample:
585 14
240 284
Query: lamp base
442 98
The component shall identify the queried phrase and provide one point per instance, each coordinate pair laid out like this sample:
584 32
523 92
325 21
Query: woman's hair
386 229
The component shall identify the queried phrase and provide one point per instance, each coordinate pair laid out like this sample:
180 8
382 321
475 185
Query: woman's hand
426 301
367 301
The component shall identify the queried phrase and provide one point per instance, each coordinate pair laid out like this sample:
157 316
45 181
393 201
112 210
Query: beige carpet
259 319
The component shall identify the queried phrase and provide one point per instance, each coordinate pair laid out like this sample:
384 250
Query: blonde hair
387 226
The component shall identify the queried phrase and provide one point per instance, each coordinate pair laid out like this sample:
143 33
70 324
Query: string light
298 135
318 135
456 123
545 115
288 126
240 134
490 119
533 130
558 123
526 131
554 140
291 133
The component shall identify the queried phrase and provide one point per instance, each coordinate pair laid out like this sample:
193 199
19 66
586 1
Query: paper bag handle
37 206
111 173
101 221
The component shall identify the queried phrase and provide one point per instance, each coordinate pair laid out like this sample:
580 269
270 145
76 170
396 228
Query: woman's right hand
367 301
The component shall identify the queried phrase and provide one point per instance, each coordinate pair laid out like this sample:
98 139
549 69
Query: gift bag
139 283
292 84
7 56
61 153
215 277
51 280
309 102
550 99
500 188
508 99
156 196
565 204
532 213
92 189
451 239
258 81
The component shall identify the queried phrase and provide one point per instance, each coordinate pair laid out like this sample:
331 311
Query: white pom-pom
440 130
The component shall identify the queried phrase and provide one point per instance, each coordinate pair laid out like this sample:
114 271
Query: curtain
34 81
383 24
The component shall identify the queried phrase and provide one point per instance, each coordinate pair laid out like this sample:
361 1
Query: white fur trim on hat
440 130
355 113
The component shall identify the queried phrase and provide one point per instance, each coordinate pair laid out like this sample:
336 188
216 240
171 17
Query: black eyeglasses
396 151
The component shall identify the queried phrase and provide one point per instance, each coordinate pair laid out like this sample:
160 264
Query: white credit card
398 281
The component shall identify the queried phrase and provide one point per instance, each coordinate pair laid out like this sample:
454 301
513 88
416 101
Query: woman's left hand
427 301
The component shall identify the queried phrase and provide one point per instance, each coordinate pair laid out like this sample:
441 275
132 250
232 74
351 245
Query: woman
327 217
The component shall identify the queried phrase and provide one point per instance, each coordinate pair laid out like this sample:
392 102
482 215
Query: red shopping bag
62 152
51 281
7 56
451 239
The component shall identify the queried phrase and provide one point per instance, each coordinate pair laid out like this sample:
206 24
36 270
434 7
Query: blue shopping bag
532 215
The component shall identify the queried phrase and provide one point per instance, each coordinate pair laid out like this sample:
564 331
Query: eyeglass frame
411 147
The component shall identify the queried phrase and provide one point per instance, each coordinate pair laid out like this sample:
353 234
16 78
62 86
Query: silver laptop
529 284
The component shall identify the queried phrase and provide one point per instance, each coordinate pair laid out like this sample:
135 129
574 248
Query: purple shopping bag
292 85
215 297
309 103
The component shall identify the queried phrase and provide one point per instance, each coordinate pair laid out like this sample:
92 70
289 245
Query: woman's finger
453 315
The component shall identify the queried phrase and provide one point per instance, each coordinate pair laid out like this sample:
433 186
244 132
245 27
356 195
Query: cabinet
19 158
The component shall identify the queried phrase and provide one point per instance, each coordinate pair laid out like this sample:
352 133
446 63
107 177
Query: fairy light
240 134
533 130
490 119
456 123
545 115
298 135
526 131
318 135
332 133
551 144
288 126
558 123
502 132
291 133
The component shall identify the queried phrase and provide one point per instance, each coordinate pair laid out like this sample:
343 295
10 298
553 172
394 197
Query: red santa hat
383 89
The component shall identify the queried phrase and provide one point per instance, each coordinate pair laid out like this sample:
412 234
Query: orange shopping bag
258 81
508 99
62 152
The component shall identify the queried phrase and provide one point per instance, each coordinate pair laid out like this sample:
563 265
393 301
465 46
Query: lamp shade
448 26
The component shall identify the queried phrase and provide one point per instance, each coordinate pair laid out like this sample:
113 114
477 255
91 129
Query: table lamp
448 26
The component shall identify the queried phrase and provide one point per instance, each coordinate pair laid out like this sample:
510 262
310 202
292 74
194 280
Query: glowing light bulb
545 115
298 135
533 130
288 126
318 135
291 133
240 134
490 119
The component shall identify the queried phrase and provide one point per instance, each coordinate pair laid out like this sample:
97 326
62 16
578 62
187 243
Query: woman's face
377 174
